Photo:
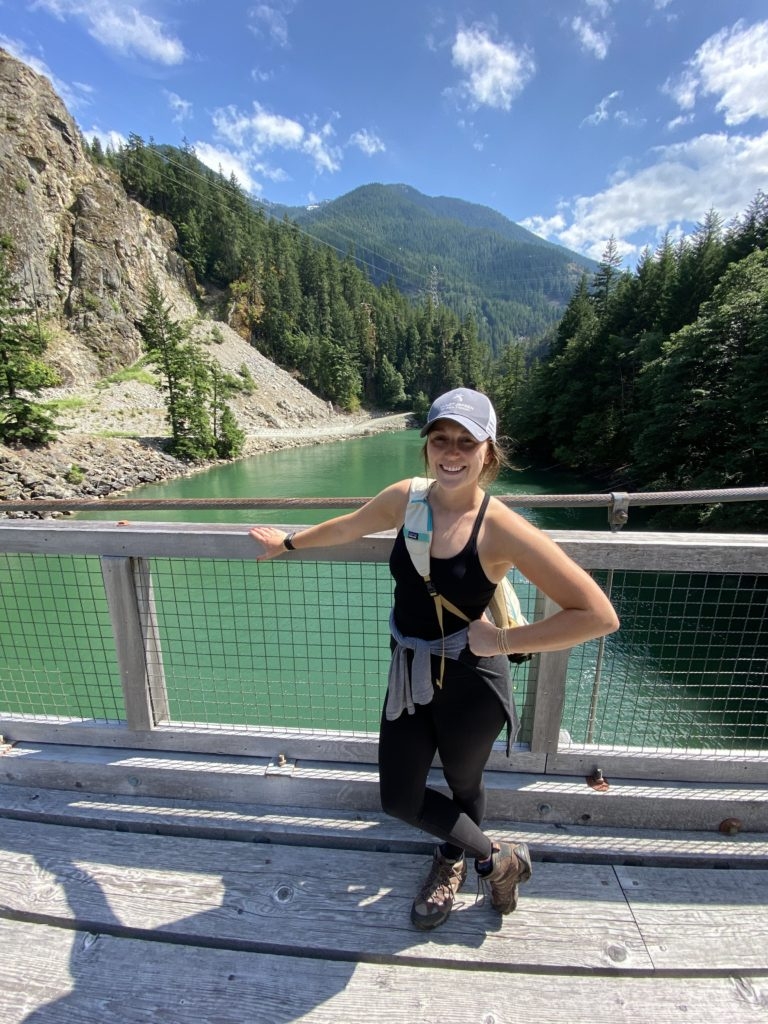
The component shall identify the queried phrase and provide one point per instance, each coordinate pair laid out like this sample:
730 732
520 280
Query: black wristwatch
288 541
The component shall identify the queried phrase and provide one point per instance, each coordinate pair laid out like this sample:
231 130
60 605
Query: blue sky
579 119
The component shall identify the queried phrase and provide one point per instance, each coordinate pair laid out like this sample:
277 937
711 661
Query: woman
475 541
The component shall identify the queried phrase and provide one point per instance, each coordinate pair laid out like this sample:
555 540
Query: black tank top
460 579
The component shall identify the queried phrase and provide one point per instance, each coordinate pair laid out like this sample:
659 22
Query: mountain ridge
476 260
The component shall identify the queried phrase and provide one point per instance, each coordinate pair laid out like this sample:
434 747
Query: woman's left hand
270 539
483 638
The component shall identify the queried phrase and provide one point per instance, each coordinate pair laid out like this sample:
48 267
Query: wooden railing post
153 651
129 595
547 681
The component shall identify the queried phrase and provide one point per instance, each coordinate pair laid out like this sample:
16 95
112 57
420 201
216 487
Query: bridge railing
171 636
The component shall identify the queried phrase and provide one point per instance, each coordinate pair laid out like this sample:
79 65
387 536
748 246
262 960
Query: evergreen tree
710 427
164 338
389 385
606 278
510 380
185 376
228 438
22 371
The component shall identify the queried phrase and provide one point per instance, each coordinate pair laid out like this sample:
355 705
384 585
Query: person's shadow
207 966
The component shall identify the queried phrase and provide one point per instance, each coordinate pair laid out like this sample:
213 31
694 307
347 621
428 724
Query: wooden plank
66 977
305 901
228 739
322 745
371 830
348 786
168 540
717 766
666 552
663 552
627 803
686 916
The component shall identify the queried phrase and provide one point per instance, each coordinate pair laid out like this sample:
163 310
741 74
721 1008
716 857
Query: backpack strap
417 527
417 533
504 609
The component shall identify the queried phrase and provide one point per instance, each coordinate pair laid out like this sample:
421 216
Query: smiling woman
449 686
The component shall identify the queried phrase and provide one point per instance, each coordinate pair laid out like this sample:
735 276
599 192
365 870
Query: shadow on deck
126 909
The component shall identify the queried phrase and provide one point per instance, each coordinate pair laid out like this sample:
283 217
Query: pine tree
164 338
606 278
22 371
185 375
228 438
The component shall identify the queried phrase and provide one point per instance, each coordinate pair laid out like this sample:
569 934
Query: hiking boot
435 900
510 866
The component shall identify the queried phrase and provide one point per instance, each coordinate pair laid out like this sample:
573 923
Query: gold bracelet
502 647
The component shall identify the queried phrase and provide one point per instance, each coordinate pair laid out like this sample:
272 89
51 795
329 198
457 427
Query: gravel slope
111 435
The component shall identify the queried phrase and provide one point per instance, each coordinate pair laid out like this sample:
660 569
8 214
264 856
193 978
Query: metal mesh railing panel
57 651
275 645
687 670
305 645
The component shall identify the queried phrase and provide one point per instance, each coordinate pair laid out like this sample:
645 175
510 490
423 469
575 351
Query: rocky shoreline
112 434
92 466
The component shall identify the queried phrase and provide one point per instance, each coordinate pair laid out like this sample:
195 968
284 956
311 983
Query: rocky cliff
84 253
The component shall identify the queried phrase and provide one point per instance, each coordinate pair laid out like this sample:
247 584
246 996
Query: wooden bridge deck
118 910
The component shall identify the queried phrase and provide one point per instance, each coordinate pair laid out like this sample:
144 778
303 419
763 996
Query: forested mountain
652 378
655 379
296 299
514 284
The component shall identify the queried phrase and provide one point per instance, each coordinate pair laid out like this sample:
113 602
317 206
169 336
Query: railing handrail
640 499
634 550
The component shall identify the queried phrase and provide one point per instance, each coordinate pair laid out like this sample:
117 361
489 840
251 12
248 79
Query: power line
407 276
212 182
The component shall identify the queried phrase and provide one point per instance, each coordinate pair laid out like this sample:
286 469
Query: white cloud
120 27
495 72
228 163
679 122
591 39
682 90
547 227
325 156
261 131
272 19
600 113
677 187
732 65
182 109
73 96
267 171
109 140
368 142
661 6
601 7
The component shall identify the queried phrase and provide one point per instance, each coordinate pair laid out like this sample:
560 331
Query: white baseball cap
470 409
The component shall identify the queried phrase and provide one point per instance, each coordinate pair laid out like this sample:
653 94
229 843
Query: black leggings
461 724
